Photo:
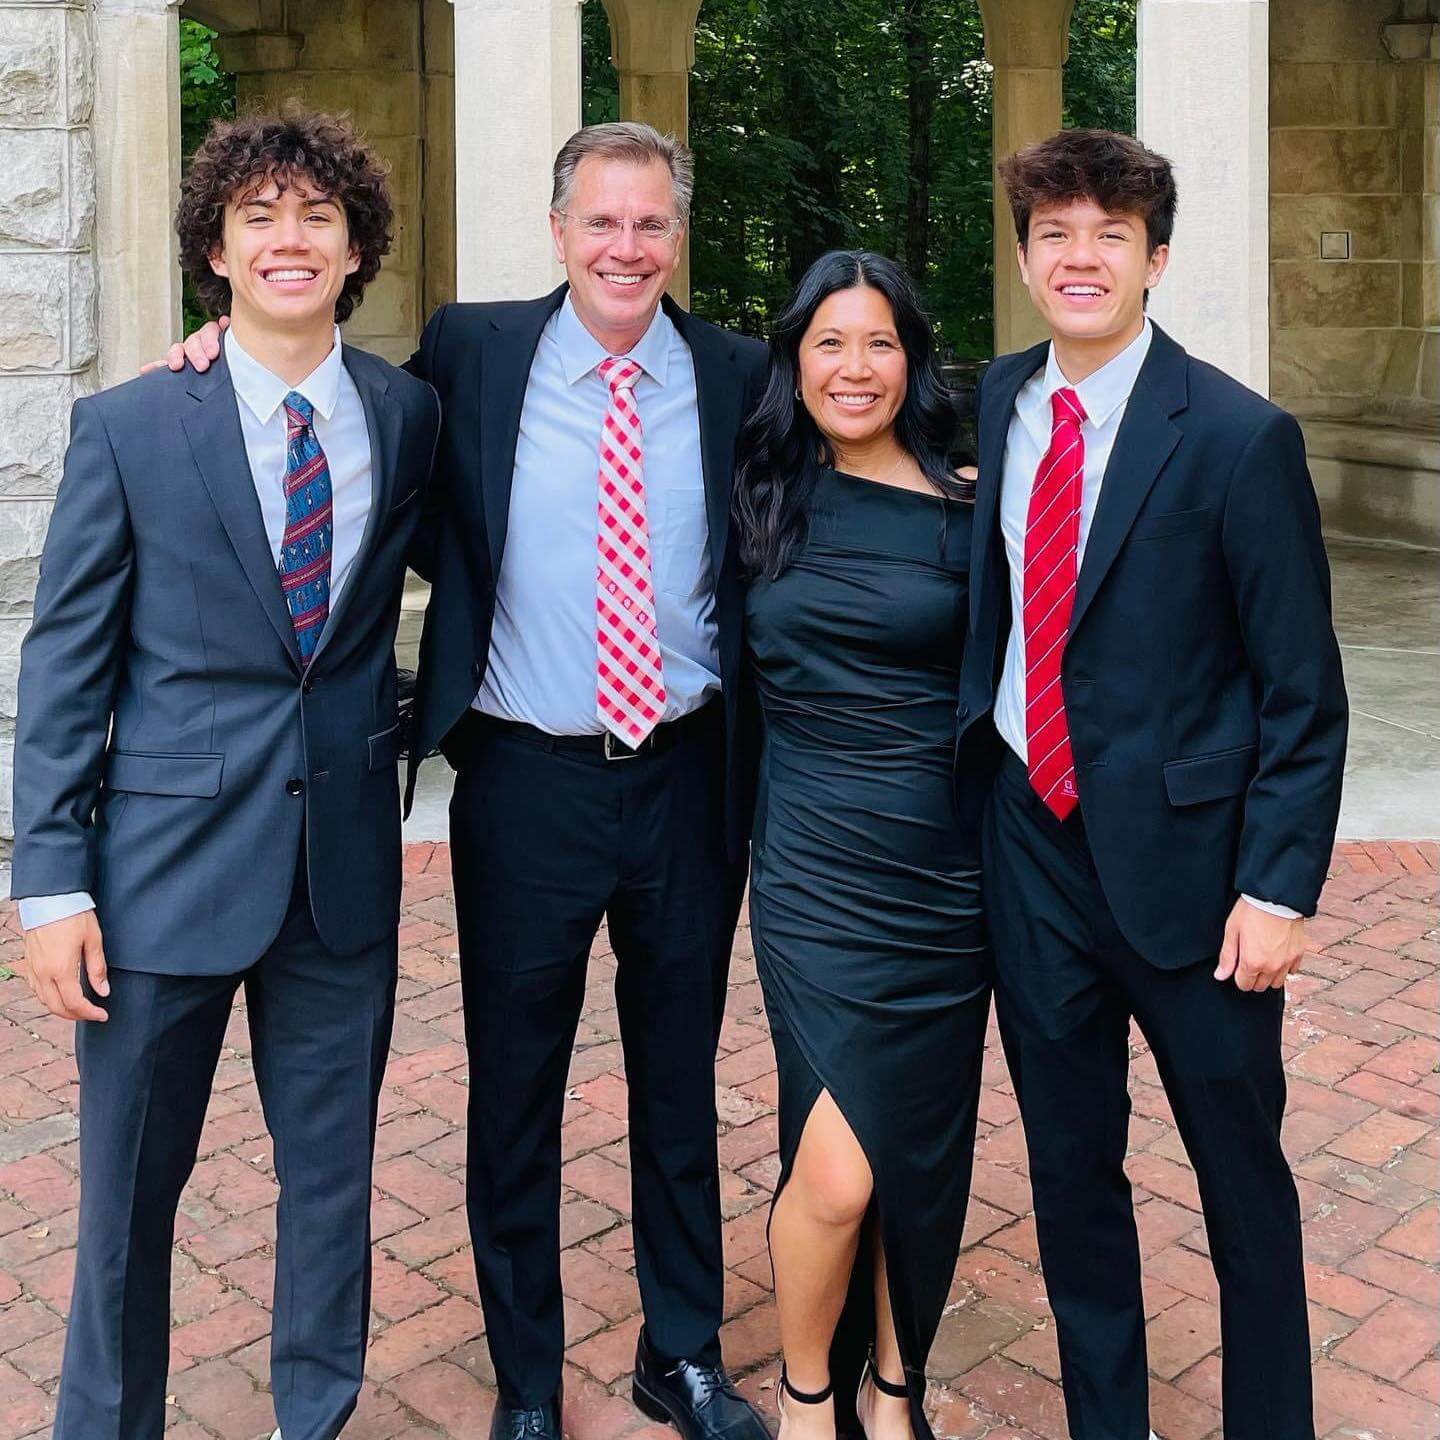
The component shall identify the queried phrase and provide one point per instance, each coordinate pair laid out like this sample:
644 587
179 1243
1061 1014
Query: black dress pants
546 843
1067 985
320 1032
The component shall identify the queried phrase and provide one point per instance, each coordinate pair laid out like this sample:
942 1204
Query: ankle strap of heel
804 1397
884 1386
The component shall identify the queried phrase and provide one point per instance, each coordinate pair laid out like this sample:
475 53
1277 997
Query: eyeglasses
607 227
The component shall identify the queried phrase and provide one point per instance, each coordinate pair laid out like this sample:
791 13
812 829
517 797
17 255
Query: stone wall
1348 154
48 270
1355 339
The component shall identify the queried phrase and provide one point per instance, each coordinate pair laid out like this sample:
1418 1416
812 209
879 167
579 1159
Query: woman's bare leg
814 1231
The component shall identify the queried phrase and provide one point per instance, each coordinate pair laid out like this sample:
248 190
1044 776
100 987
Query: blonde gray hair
630 141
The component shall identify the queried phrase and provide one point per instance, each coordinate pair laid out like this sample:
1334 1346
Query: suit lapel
719 400
998 397
383 423
218 446
1142 446
508 353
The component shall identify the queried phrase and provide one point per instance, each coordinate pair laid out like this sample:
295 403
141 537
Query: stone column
137 154
1203 101
517 100
1412 380
47 299
653 48
437 197
1026 41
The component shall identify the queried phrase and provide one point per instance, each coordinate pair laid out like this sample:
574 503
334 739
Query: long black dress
864 891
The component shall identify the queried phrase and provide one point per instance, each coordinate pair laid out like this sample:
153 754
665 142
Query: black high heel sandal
801 1397
871 1372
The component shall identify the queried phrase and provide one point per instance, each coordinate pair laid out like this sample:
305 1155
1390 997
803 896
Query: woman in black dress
864 895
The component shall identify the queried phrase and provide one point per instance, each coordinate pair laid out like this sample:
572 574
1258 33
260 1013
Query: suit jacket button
475 672
307 685
962 712
294 786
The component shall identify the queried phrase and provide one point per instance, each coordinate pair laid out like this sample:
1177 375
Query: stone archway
1026 41
390 66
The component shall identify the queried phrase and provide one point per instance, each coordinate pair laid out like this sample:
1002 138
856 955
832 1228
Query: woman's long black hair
780 450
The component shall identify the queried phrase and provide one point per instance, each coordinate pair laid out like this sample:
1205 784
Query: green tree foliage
1100 74
207 92
863 123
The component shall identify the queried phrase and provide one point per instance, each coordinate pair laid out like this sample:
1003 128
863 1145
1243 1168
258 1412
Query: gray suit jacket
169 757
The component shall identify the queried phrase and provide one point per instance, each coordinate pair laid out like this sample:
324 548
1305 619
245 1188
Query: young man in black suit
1151 635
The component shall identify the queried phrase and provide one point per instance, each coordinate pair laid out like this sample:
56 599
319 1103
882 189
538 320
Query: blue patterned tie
309 531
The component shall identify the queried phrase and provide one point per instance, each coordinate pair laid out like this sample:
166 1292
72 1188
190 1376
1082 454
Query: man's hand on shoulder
1260 949
198 348
54 955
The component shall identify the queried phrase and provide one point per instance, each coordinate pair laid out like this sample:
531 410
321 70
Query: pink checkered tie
630 688
1052 540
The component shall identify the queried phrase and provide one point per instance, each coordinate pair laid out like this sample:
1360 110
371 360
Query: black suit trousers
1066 989
320 1033
546 844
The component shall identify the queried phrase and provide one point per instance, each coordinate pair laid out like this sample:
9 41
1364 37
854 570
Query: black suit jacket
1201 675
478 356
170 755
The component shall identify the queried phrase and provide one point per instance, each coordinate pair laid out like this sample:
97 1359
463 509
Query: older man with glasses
579 667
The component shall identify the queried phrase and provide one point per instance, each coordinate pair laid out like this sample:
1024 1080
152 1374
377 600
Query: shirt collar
263 391
581 352
1104 392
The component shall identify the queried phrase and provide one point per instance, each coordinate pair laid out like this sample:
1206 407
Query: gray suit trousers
320 1031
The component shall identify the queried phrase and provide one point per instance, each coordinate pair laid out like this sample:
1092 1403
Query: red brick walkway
1363 1132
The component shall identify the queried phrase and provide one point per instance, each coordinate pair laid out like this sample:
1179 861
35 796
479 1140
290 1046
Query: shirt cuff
1271 908
37 910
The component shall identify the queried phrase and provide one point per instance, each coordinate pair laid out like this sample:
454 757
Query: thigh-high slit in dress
865 898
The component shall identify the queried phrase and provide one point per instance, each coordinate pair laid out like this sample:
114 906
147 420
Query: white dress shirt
344 437
542 666
1103 396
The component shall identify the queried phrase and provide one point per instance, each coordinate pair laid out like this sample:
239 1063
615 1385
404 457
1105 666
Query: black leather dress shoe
540 1422
696 1398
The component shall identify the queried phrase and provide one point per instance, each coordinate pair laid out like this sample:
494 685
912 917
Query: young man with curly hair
206 787
1150 608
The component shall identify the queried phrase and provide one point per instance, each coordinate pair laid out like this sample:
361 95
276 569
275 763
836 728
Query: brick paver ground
1363 1131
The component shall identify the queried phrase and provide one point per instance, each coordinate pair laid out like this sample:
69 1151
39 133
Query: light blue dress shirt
344 437
542 666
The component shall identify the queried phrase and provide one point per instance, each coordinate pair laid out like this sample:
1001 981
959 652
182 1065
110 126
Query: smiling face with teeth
285 249
617 280
1088 271
853 373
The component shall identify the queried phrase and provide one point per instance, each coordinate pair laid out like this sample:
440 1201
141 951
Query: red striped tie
1052 539
630 686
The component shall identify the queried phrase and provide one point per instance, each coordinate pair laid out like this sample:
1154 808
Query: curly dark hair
238 157
780 450
1115 171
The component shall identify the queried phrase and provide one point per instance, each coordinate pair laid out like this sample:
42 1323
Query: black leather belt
604 746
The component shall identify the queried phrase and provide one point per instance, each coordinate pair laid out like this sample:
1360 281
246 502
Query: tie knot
619 372
299 412
1065 407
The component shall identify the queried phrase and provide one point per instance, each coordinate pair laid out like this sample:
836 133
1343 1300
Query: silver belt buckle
615 750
